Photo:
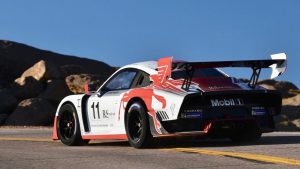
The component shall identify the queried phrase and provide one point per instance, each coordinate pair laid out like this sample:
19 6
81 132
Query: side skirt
105 137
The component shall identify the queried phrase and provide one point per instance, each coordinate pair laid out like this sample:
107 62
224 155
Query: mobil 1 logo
226 102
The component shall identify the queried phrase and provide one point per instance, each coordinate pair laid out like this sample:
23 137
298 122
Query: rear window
207 72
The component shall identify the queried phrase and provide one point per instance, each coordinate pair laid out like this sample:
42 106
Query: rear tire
137 126
68 128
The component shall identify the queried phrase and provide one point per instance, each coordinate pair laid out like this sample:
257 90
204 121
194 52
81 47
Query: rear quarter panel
173 103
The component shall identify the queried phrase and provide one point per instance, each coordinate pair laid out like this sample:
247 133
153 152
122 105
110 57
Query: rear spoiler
278 63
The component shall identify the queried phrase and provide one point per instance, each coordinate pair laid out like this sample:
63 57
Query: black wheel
68 129
137 126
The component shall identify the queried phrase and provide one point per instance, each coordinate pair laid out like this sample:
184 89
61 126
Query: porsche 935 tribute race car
148 100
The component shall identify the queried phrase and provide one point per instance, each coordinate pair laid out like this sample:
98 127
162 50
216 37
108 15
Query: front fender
76 101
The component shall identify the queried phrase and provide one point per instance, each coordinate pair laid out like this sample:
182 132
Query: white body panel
173 104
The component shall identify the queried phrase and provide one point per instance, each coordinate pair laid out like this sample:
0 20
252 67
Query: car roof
149 67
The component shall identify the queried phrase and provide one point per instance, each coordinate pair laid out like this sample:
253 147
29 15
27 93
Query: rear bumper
217 128
183 134
228 128
226 112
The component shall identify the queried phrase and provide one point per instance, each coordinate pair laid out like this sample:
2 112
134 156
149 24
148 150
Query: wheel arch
54 133
67 102
130 102
64 103
147 136
71 110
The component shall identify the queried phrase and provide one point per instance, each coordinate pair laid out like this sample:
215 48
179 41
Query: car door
103 106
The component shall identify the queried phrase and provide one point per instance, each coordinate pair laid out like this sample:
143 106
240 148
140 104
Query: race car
144 101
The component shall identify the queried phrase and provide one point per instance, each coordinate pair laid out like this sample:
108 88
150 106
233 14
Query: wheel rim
135 126
67 125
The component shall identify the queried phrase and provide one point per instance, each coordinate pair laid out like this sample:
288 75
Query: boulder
40 71
32 81
284 87
289 119
32 112
68 70
76 82
7 104
30 88
292 101
55 91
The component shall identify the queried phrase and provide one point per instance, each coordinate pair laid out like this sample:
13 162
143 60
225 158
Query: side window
121 81
142 80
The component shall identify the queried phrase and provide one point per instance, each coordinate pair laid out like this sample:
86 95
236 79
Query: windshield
207 72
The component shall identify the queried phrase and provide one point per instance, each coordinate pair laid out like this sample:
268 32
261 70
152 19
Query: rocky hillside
289 119
33 81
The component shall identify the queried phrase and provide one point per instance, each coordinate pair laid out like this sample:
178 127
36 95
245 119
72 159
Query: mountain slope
15 58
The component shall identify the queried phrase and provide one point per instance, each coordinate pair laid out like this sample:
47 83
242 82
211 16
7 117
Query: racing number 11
98 111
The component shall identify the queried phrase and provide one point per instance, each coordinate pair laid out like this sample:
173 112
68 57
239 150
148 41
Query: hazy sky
120 32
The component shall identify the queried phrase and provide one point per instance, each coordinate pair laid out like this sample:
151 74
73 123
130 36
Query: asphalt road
33 148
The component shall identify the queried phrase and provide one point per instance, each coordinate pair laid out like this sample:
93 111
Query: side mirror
90 88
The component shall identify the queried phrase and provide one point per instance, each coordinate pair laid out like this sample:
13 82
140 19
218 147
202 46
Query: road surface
33 148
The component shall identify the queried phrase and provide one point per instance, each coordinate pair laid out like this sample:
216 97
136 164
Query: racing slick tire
137 126
68 129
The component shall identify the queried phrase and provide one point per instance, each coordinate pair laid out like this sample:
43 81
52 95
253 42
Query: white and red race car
148 100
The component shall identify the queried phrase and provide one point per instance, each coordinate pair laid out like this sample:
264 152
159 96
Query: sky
121 32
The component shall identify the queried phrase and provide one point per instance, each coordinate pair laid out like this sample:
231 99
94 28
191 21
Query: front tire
68 129
137 126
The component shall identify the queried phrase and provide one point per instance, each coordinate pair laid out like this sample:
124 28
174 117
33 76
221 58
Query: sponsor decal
258 111
193 113
193 110
226 102
97 112
218 87
99 125
105 113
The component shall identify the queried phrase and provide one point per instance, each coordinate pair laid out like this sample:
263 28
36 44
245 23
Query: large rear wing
278 63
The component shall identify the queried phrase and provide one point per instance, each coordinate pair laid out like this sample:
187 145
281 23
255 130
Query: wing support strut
189 70
254 77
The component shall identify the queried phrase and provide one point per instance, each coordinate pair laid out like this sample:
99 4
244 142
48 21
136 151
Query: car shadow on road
266 140
109 143
205 142
279 140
